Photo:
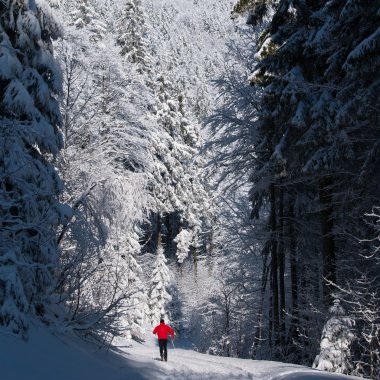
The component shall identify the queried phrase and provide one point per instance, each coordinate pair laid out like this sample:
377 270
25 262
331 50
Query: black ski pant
163 343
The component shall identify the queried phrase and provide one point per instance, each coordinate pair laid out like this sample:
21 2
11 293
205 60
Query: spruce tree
159 296
29 137
135 305
337 337
130 37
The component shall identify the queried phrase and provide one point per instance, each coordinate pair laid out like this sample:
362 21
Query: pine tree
159 296
180 197
183 241
84 15
173 138
337 337
131 35
135 306
30 119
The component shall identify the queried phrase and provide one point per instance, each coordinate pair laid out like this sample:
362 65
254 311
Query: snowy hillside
46 357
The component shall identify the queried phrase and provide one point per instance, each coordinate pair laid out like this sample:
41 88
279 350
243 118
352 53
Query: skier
162 332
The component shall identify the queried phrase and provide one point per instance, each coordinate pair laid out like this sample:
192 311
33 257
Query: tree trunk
274 264
281 263
227 326
194 252
260 314
328 252
293 266
157 232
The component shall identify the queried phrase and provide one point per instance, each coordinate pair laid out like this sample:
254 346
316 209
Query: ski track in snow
46 356
186 364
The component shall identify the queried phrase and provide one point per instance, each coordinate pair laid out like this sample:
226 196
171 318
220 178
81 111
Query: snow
368 45
46 356
17 98
183 240
31 24
264 49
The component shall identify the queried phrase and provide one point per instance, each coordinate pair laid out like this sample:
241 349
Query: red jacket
163 331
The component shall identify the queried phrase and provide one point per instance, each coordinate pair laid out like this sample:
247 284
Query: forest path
47 356
186 364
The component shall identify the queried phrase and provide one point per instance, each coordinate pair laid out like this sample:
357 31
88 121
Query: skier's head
162 321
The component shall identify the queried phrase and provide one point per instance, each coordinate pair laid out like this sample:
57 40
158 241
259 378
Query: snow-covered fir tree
176 184
131 34
337 337
183 241
159 296
137 297
29 137
182 202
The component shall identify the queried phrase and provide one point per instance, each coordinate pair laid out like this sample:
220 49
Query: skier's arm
155 331
171 333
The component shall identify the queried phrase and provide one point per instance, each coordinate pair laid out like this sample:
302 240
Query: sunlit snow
47 357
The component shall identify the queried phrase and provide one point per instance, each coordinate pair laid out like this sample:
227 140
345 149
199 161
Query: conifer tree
135 305
29 135
172 138
130 34
183 241
159 296
181 200
337 337
310 157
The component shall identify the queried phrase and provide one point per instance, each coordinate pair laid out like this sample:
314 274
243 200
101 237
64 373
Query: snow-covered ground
49 357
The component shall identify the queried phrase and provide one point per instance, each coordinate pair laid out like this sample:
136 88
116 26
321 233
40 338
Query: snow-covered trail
186 364
47 356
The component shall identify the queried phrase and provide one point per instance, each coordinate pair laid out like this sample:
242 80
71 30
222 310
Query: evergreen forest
214 163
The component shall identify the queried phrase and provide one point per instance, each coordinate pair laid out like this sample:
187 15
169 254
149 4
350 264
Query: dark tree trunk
281 263
227 301
274 263
194 253
260 314
270 324
328 251
157 232
293 265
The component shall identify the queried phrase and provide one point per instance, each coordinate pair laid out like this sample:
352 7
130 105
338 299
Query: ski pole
173 343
